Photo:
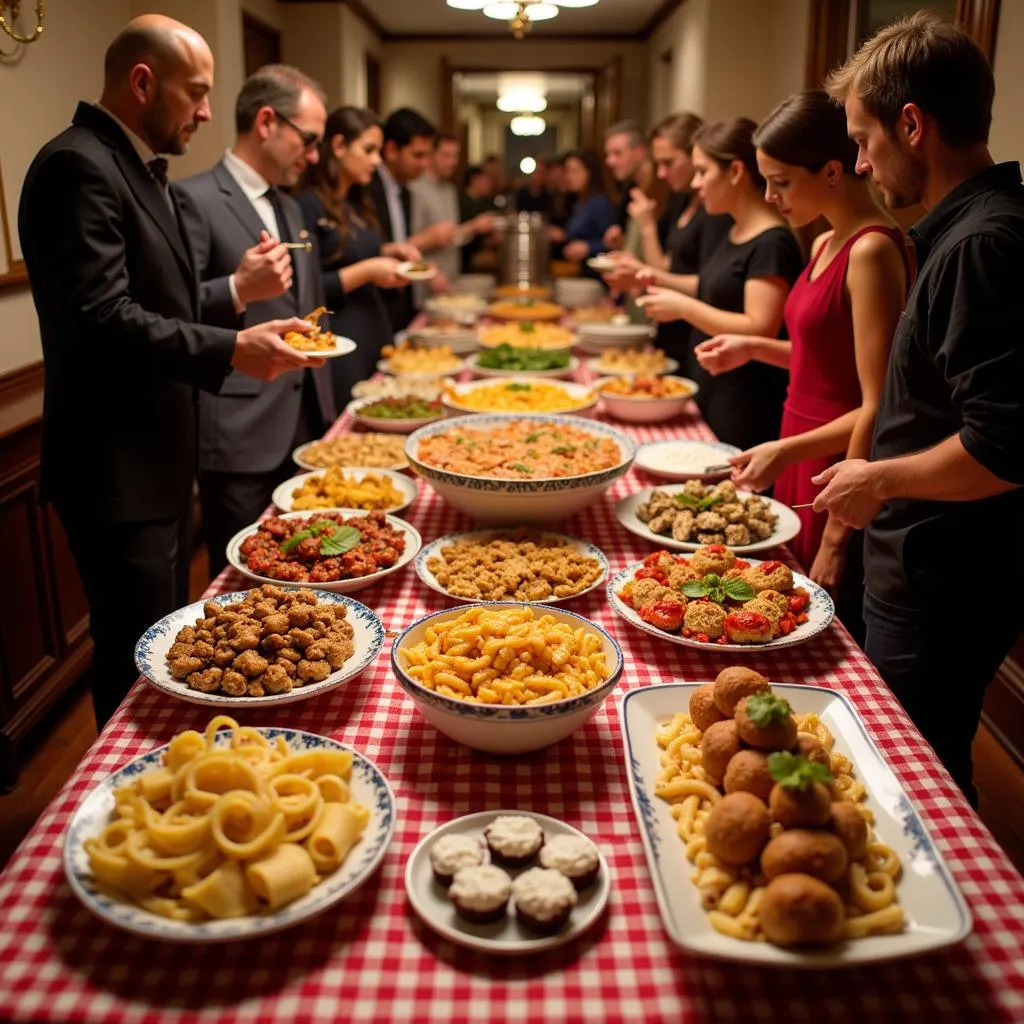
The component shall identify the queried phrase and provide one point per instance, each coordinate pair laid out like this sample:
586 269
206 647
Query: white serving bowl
574 292
460 339
386 425
507 729
517 502
597 338
466 308
584 394
647 410
283 496
480 285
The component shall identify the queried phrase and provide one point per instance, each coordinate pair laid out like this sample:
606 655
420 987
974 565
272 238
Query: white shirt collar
145 151
250 181
390 184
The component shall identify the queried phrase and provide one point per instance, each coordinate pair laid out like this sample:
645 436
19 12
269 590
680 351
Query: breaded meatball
805 851
710 537
682 526
798 910
662 522
770 576
737 534
726 490
313 671
183 667
775 598
233 683
760 529
681 574
254 687
276 623
732 512
250 664
694 488
703 710
719 744
747 627
766 608
277 680
846 820
747 772
645 591
182 650
705 617
734 683
710 522
737 828
793 808
807 746
300 616
766 722
714 558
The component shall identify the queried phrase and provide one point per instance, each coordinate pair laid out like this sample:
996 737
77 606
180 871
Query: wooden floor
64 738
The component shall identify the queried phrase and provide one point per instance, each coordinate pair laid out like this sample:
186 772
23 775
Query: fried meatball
775 598
804 851
747 627
713 538
682 526
703 710
793 808
779 729
737 828
710 522
663 521
182 668
714 558
734 683
233 683
250 664
737 534
277 680
719 744
747 772
770 576
726 490
647 590
849 825
766 608
807 746
681 574
180 650
705 617
798 910
313 671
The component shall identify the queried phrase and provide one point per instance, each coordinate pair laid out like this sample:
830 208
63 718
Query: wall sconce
9 11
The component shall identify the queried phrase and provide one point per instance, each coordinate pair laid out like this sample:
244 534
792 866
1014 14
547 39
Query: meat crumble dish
322 548
709 515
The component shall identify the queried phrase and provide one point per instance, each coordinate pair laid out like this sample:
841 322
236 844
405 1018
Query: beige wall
1007 140
357 40
311 40
268 11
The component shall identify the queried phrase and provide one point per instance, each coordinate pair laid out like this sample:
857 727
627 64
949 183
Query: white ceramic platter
685 460
507 937
385 425
455 367
584 394
299 458
937 915
283 496
597 365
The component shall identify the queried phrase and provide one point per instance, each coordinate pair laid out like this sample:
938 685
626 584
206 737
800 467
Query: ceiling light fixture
528 124
522 102
520 14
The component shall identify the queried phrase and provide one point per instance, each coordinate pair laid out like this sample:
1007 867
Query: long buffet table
370 959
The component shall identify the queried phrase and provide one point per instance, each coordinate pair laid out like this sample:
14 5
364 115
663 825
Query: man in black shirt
941 497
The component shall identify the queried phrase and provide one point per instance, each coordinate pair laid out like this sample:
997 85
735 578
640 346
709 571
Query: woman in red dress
840 317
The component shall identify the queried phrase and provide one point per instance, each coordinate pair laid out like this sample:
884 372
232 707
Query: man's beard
161 133
906 188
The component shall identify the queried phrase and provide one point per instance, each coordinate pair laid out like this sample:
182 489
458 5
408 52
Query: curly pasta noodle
731 895
222 831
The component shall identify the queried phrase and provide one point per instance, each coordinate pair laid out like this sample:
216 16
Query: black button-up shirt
957 367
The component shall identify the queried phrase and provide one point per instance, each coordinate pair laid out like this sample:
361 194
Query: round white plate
298 457
685 460
413 543
367 786
508 937
595 366
342 347
786 527
434 548
388 426
820 614
601 263
405 270
563 374
460 341
583 393
151 654
455 367
283 493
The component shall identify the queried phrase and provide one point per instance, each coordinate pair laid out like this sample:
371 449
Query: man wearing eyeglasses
240 237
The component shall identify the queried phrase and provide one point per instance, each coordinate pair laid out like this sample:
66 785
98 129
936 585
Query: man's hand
613 237
262 353
401 251
850 492
577 249
265 271
383 272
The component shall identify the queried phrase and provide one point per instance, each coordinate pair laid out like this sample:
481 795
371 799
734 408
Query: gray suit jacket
250 425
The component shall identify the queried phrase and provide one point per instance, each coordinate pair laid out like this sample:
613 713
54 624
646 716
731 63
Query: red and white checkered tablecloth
370 959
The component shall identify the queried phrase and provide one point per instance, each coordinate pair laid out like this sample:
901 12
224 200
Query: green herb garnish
343 539
531 438
522 360
793 771
700 504
527 326
764 708
519 387
716 589
520 467
563 449
318 529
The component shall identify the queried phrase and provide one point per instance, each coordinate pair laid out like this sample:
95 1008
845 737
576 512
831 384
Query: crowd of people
873 382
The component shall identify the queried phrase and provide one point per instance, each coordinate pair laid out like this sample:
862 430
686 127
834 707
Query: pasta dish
227 830
518 396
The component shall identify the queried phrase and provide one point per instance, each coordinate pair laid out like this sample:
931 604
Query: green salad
521 360
404 407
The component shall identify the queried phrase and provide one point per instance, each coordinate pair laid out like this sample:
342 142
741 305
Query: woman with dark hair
592 212
840 317
354 261
741 288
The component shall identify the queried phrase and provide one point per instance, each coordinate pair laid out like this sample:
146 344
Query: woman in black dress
742 285
355 262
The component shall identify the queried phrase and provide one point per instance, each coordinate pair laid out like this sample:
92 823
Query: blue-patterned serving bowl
504 728
367 786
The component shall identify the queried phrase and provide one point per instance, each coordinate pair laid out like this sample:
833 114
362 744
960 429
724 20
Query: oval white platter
937 915
151 654
787 526
565 373
283 496
595 365
299 458
383 424
413 543
434 548
692 458
506 937
820 614
455 367
367 785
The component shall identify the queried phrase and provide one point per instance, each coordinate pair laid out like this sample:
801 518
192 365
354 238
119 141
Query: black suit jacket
398 300
250 425
118 299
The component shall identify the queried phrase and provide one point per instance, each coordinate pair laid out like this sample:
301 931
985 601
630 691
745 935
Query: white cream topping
571 855
682 457
455 851
481 887
514 835
543 893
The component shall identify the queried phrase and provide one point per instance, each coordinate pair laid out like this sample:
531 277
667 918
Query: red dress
823 381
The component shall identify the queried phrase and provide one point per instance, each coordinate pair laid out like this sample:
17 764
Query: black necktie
406 197
157 168
283 234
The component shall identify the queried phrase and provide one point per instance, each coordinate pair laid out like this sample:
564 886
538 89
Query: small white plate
787 526
685 460
368 786
342 347
385 425
299 458
565 373
595 365
413 543
434 548
508 937
601 263
283 496
456 366
151 654
820 614
937 915
405 269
